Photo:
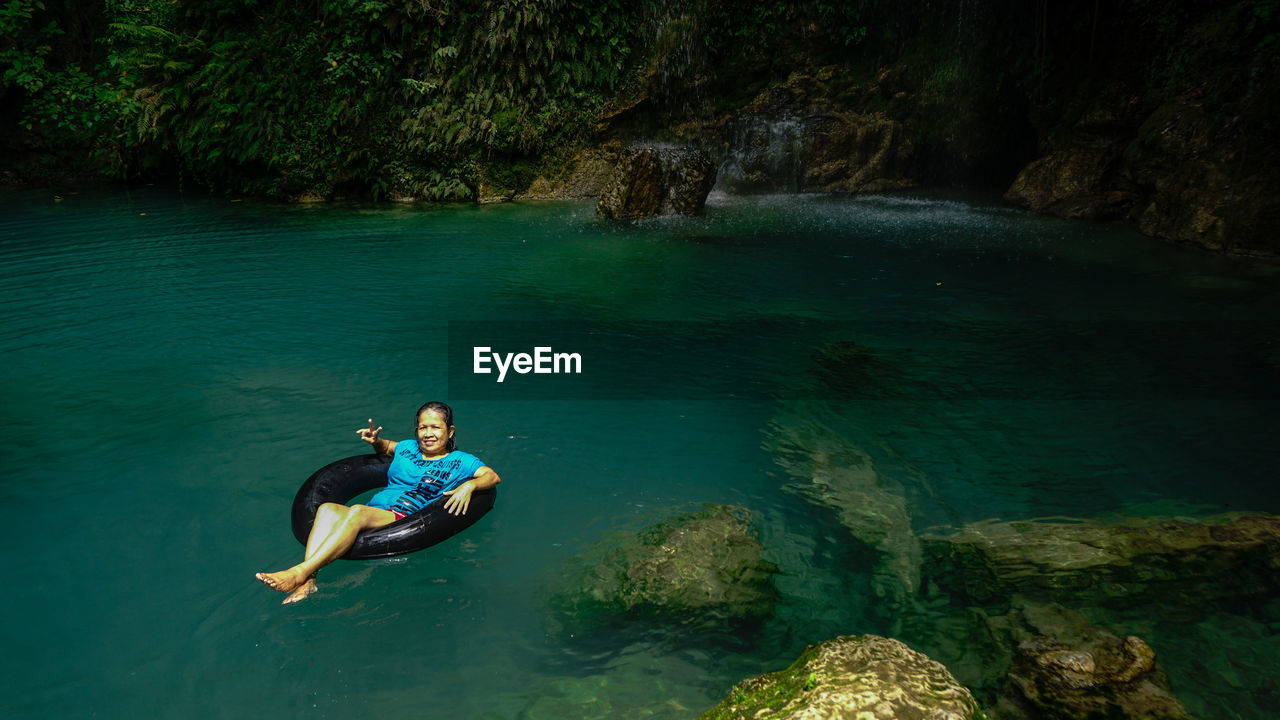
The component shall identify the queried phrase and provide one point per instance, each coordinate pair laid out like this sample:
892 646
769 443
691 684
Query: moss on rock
856 677
1171 563
702 565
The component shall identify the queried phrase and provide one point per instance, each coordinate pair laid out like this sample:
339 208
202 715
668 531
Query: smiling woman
423 471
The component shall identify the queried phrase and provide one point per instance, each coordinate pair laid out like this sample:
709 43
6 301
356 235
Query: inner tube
344 479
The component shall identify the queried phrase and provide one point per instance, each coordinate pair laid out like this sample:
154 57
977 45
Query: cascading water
766 155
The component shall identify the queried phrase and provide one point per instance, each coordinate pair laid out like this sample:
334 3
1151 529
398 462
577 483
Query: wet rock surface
586 174
1108 678
705 565
856 677
658 181
793 137
831 472
1181 170
1066 668
1172 564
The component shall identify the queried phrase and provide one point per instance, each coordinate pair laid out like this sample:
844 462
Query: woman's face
433 433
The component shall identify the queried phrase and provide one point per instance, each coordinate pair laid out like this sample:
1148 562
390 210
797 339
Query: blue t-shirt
414 483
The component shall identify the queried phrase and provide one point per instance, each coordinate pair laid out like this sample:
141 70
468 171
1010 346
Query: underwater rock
1107 678
1060 666
855 677
852 369
658 181
616 695
835 474
1165 563
705 565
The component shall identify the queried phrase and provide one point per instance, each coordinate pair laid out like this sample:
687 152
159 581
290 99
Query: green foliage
59 99
373 97
70 76
382 97
409 97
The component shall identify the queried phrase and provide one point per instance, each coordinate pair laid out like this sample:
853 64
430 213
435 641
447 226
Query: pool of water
174 367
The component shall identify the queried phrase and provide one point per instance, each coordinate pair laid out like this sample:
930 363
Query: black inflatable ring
342 480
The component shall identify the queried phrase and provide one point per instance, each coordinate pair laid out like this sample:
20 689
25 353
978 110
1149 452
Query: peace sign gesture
369 434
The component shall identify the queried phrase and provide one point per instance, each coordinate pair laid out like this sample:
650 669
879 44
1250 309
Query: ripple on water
194 364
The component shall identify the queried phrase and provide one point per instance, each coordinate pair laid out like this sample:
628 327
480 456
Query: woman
422 471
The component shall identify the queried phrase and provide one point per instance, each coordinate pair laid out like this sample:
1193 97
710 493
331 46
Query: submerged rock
705 565
1066 668
834 473
1108 678
1165 563
653 181
618 694
859 678
849 368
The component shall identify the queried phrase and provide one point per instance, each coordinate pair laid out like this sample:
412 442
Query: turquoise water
175 366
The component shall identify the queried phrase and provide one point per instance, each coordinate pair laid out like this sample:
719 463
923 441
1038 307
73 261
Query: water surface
174 366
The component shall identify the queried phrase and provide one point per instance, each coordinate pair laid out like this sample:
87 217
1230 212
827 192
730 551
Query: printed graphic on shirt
414 482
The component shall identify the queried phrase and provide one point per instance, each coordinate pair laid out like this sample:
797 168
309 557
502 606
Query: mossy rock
702 565
1175 564
856 677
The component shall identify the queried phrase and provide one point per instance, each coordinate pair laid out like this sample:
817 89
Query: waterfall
765 155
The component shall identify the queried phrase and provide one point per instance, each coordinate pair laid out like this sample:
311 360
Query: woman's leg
332 535
328 516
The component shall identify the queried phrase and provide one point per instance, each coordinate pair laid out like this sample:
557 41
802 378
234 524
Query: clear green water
170 378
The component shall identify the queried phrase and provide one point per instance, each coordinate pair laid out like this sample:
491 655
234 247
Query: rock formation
1181 172
658 181
1065 668
586 174
835 474
858 678
1167 563
1106 679
794 138
706 565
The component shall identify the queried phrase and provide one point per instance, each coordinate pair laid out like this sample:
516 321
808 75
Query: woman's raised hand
370 435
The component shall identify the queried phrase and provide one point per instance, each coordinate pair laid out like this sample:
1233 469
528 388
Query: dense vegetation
426 97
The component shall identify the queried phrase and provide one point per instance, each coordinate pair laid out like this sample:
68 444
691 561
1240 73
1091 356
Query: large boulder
702 566
1183 171
1201 182
1169 563
1081 176
658 181
859 678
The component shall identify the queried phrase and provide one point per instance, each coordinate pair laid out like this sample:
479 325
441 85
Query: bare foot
302 592
285 581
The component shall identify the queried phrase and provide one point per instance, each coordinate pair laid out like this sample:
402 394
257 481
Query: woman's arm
370 435
460 497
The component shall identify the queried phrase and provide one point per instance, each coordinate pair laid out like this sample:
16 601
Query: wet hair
445 411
